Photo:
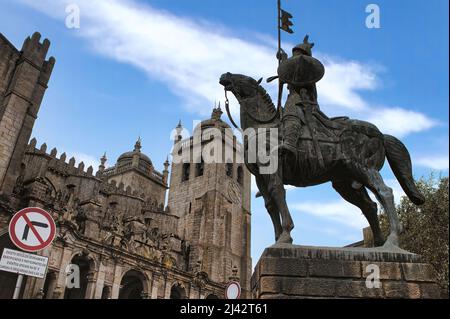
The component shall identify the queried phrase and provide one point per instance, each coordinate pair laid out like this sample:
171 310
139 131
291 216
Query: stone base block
289 271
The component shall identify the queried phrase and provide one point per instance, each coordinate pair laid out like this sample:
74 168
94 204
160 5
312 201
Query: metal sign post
18 286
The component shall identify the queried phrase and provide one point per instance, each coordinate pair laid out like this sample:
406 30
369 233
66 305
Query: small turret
137 151
102 166
179 130
166 171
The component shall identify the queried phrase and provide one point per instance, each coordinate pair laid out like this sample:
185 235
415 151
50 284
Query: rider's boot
288 148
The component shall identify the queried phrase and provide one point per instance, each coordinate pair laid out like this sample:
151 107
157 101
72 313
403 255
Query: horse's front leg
271 207
277 194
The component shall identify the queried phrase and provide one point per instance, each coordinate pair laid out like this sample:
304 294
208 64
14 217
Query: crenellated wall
24 81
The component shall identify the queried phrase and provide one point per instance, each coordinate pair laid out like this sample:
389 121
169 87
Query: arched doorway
133 285
177 292
212 296
50 284
85 265
106 292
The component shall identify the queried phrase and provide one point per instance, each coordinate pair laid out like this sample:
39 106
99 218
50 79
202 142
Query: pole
280 85
279 31
18 286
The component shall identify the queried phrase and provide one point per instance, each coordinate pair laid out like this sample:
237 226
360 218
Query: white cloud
400 122
190 55
434 162
341 82
337 211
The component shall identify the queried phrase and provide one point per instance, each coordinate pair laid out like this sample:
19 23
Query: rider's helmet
303 48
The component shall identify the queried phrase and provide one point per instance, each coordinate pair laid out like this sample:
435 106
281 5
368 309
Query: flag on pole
286 22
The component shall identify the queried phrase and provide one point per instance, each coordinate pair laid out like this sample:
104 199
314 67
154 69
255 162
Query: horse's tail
400 162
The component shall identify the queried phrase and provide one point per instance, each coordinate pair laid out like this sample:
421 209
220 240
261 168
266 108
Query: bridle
227 108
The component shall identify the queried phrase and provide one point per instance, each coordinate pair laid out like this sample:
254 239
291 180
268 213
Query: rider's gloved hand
281 55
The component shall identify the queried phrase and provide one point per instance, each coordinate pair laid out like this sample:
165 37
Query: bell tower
210 193
24 76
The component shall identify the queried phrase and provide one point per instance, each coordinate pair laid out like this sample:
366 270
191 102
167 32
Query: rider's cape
301 70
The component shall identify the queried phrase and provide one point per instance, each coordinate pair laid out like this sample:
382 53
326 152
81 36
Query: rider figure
301 102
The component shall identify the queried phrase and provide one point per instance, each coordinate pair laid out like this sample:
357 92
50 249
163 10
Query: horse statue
352 154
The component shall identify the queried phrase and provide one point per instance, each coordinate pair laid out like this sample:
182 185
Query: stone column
193 292
168 287
148 290
61 283
90 289
156 285
52 278
116 283
100 281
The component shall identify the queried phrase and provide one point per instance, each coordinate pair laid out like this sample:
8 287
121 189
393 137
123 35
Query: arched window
133 285
229 169
186 172
84 266
240 175
178 292
199 168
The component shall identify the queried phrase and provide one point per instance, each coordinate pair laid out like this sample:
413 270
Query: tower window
186 172
240 175
199 168
229 169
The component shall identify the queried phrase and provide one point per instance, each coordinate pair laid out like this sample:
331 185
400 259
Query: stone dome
214 122
127 157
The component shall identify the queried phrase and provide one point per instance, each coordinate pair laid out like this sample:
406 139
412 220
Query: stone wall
315 272
135 180
8 58
26 75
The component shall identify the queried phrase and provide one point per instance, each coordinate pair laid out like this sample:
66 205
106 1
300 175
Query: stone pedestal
289 271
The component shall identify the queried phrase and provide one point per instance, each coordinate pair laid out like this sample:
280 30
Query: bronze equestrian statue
313 149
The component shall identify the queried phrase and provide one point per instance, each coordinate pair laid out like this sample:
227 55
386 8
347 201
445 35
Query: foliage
425 228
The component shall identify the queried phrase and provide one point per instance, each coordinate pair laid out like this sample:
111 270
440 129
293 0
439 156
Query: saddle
318 129
319 126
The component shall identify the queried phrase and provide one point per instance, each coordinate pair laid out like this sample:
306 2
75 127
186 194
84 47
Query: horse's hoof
285 238
392 241
378 242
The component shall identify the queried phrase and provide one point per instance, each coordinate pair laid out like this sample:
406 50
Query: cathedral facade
132 231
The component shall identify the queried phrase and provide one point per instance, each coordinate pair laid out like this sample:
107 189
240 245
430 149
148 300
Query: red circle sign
32 229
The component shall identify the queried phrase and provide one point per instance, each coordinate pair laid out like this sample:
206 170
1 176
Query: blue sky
136 67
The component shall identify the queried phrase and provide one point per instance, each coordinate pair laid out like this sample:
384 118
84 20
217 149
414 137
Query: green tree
425 228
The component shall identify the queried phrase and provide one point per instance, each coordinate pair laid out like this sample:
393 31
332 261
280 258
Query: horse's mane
266 98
